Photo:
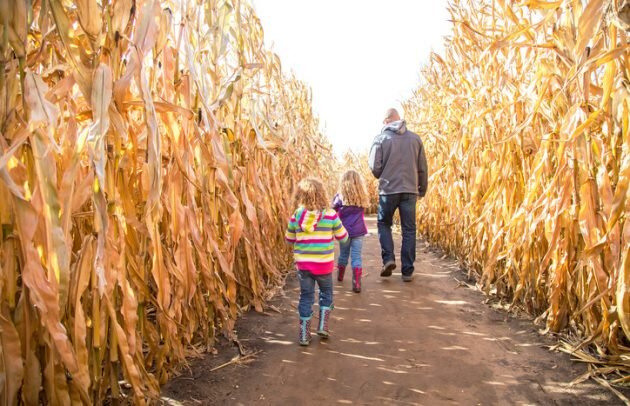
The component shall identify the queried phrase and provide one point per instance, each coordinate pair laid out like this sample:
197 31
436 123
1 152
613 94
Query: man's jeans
406 205
307 291
352 250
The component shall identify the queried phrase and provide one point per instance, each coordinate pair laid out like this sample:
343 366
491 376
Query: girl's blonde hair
310 194
352 189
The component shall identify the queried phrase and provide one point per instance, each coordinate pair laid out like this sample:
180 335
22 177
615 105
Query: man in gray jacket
397 160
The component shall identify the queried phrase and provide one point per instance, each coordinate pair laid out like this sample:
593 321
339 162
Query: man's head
391 115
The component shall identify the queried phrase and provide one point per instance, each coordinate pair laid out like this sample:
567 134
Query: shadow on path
428 342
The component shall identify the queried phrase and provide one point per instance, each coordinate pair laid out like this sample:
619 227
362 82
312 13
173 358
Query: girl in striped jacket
312 230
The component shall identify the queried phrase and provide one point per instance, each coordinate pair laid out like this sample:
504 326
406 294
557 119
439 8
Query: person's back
398 161
402 167
350 203
312 234
311 230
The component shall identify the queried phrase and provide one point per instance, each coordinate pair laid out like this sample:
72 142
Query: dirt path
428 342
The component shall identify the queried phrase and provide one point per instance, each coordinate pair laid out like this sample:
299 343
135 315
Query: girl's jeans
351 249
307 291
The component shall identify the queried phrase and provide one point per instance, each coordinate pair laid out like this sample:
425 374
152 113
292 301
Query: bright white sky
359 56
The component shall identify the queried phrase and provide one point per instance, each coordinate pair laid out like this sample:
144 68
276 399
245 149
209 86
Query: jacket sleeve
376 158
339 230
337 203
290 234
422 172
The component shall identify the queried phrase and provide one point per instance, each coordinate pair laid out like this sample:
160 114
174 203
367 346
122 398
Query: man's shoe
407 278
387 269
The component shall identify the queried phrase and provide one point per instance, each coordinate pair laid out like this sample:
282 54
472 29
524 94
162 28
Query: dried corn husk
525 121
148 154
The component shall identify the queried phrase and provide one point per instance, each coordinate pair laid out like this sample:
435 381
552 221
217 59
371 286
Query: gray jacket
397 160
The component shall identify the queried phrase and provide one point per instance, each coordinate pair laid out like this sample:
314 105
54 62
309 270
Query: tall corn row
147 154
525 120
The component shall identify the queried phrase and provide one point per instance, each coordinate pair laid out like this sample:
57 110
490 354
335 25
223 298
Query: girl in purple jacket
350 203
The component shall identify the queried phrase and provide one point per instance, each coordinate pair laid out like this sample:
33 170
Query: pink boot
356 279
341 270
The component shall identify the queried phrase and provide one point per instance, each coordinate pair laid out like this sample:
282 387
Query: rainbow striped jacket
312 234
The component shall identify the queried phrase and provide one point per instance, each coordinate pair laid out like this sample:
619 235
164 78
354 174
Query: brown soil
429 342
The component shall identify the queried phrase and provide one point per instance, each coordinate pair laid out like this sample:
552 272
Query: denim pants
351 249
406 205
307 291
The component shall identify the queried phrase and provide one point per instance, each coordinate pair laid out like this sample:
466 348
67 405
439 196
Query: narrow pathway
429 342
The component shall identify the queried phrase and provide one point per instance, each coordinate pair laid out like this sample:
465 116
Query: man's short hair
391 113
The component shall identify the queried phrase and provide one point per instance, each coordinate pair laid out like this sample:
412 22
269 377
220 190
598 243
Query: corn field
525 121
148 153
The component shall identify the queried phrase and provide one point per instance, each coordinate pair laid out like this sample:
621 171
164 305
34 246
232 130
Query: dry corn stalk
147 155
525 119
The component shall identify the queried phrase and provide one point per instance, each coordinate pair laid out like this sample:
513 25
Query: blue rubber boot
324 317
305 330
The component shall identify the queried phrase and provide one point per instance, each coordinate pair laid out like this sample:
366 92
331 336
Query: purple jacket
351 217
